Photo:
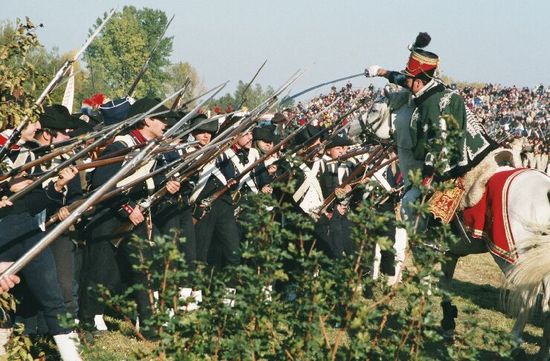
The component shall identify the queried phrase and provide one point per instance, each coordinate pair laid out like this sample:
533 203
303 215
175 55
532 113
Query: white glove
372 71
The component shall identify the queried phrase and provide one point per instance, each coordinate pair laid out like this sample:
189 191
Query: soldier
174 218
333 229
56 126
448 140
270 170
217 231
308 196
22 226
117 220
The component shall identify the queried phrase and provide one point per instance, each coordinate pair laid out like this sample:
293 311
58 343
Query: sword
290 97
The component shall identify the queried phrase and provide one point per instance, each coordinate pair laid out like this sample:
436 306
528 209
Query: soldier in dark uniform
56 126
333 229
217 231
174 218
22 225
117 220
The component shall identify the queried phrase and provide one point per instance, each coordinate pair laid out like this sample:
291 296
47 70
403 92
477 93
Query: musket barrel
73 217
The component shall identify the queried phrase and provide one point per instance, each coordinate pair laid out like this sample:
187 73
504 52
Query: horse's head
377 119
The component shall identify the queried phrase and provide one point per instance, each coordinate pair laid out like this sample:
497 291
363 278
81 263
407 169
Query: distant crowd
515 117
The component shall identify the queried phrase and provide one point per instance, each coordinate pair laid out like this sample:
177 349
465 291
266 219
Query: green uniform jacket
445 134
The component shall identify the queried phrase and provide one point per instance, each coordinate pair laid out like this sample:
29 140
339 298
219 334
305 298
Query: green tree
178 74
18 77
116 57
250 98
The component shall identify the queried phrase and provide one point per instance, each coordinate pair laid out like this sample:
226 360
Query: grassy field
477 285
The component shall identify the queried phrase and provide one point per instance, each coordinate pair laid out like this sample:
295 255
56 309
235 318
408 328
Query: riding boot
450 312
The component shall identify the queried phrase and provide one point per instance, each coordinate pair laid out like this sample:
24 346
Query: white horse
528 202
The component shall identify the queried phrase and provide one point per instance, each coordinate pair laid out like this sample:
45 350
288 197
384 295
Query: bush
293 303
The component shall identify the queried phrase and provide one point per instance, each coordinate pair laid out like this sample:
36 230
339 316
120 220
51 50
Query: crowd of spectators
515 117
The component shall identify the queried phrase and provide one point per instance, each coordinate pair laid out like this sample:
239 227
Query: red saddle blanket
488 219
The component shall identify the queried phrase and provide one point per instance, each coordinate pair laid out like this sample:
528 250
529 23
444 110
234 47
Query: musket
190 169
232 134
177 101
207 202
115 157
169 134
243 97
145 65
375 160
227 133
43 149
14 136
118 159
84 151
74 216
25 167
353 153
173 130
126 188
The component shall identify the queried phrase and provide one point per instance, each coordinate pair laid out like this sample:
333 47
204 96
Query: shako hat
115 111
422 63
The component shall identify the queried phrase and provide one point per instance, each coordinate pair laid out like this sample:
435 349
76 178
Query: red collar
140 139
4 140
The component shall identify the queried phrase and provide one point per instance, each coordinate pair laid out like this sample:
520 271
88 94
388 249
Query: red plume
95 101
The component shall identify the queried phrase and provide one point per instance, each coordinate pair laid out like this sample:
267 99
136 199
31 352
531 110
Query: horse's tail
524 280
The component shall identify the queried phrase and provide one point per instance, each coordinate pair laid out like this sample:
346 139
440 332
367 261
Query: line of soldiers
201 207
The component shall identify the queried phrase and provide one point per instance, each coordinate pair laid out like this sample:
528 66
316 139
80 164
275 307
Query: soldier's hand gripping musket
375 162
74 216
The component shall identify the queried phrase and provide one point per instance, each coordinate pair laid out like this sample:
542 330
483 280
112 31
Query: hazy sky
498 41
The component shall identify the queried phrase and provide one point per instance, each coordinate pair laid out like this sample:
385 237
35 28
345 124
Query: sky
493 41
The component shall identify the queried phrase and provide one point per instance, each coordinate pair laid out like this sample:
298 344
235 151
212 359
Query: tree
116 57
177 75
18 76
249 99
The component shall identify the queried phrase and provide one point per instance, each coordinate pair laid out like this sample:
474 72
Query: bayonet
243 94
14 137
146 64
